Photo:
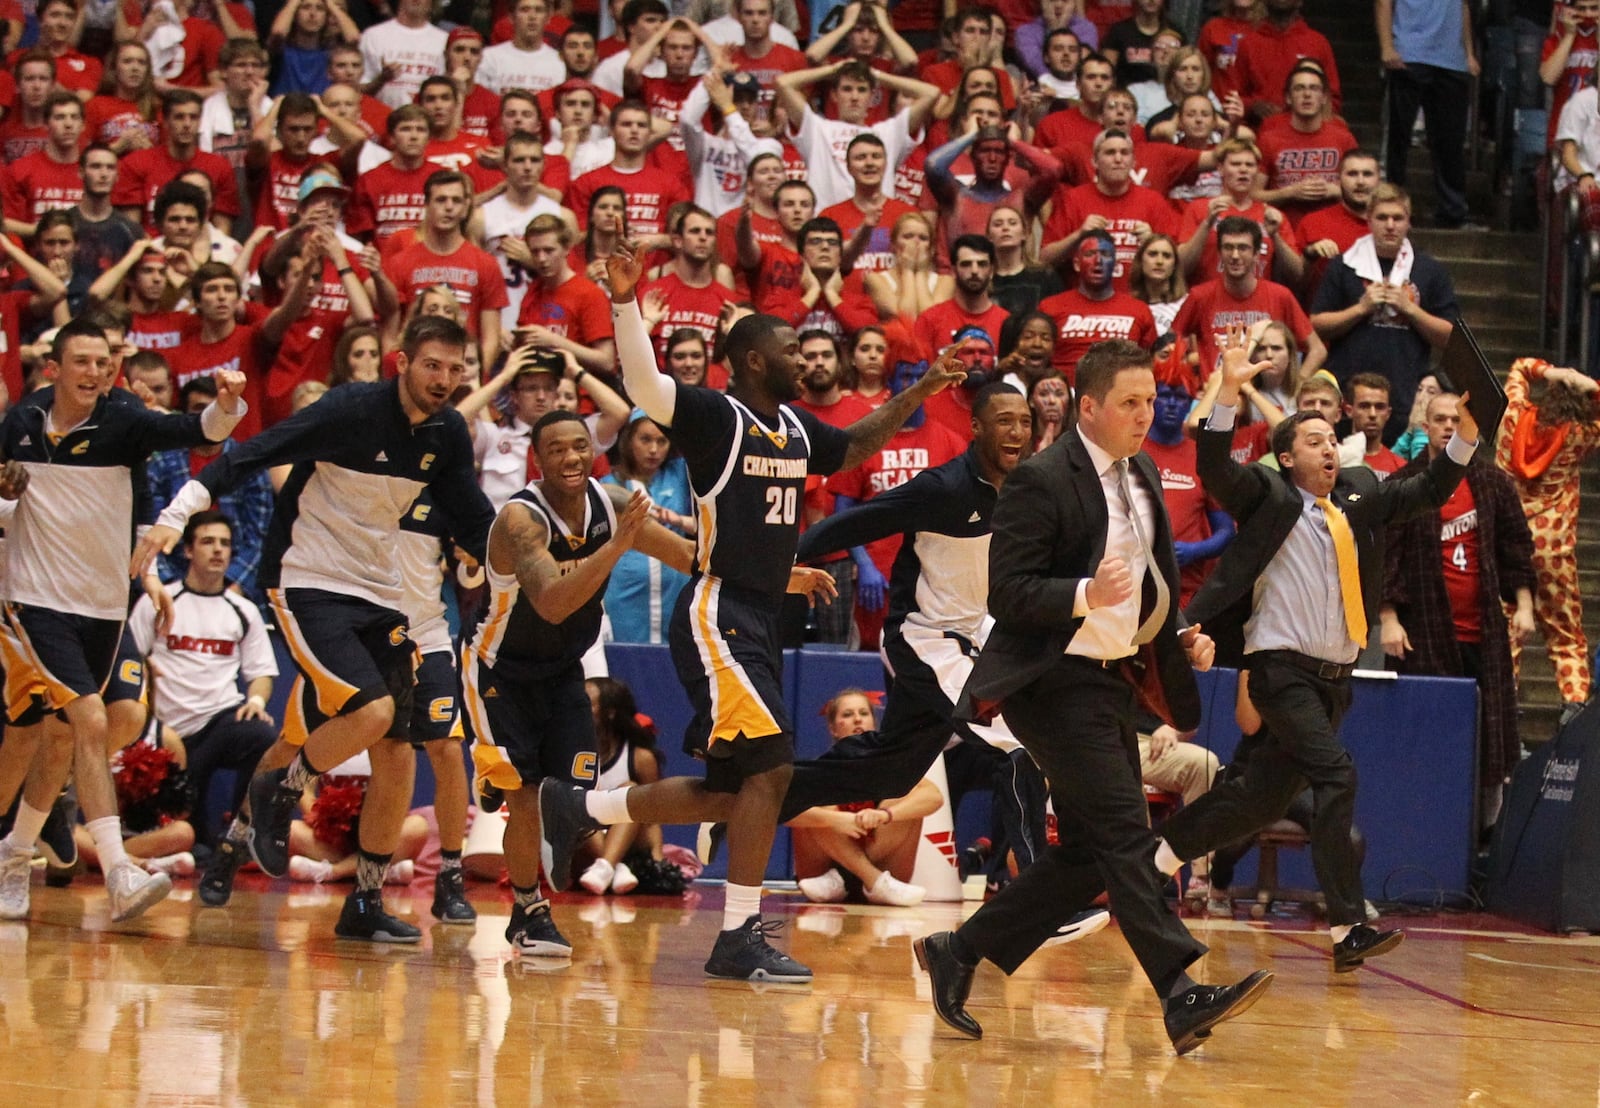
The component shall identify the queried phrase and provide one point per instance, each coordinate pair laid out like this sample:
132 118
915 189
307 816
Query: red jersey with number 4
1578 74
1458 540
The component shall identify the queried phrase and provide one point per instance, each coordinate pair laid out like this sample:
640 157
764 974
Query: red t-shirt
777 61
1577 76
1211 309
1068 131
38 184
776 285
159 331
198 56
1123 214
577 309
75 72
1266 56
279 202
1210 265
1384 462
13 310
386 201
1219 42
1458 540
471 273
240 350
1082 322
142 173
664 98
1187 505
947 77
767 233
480 113
879 253
937 326
1290 156
461 154
306 352
1159 166
107 118
1331 221
1250 441
18 140
951 408
907 454
687 306
650 193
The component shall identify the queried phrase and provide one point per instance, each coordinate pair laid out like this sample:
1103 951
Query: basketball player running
748 454
551 551
361 456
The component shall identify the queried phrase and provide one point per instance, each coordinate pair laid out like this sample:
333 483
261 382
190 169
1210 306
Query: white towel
166 41
1362 258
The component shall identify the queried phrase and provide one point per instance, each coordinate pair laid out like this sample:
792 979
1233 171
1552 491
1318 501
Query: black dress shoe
1362 943
951 982
1191 1015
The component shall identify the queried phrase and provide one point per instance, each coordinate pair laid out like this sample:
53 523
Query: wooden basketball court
259 1004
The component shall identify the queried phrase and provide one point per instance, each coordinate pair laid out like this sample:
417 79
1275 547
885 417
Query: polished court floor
259 1004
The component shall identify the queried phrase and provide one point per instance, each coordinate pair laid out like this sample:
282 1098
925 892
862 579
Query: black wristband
345 269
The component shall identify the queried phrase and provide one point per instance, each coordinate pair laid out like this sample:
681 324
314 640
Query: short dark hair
1367 381
986 395
205 386
58 98
439 178
550 419
93 148
746 336
978 243
634 10
177 98
405 113
858 69
576 29
522 138
180 192
436 81
865 138
212 271
1240 225
1283 434
812 334
78 328
146 360
627 106
1061 32
1097 57
205 518
431 328
792 183
296 104
1099 367
818 225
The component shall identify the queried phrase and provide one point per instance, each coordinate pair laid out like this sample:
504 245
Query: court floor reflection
259 1004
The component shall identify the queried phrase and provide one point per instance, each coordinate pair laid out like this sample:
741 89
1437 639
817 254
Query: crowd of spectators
279 188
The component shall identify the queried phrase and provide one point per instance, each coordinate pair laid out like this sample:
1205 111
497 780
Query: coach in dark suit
1083 586
1309 556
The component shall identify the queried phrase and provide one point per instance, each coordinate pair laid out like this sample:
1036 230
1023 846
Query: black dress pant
1442 95
1300 715
1078 724
224 743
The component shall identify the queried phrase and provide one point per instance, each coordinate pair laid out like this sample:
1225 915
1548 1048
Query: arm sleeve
218 424
142 625
455 487
256 657
647 386
900 511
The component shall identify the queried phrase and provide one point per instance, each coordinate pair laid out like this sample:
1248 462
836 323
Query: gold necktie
1344 552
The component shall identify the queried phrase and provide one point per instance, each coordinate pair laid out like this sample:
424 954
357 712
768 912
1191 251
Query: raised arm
649 388
789 88
109 284
923 97
871 433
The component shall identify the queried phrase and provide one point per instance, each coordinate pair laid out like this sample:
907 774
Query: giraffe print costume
1550 501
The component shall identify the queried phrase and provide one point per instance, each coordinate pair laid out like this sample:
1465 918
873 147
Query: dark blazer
1049 533
1266 505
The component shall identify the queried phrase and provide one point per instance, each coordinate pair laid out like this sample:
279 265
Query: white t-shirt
720 161
417 52
591 153
730 32
501 218
823 142
1580 123
507 67
215 640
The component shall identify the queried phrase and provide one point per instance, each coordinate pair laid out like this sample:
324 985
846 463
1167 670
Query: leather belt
1327 671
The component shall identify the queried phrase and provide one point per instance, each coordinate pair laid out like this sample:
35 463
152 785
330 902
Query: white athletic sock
1340 932
743 901
1166 861
107 833
608 806
25 831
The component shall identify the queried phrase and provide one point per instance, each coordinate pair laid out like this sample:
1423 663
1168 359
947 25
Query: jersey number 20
780 504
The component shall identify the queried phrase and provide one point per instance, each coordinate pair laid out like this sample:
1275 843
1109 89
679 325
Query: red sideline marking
1453 1001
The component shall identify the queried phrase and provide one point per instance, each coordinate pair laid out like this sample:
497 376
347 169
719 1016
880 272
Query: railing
1572 256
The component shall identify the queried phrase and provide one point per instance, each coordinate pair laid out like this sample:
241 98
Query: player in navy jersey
551 551
361 456
748 454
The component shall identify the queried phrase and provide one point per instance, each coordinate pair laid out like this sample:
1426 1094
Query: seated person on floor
627 748
153 797
322 847
876 844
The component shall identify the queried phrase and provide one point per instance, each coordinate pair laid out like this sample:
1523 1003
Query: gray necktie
1157 604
